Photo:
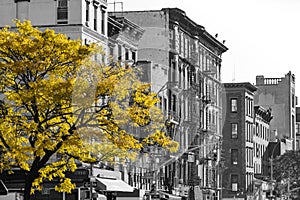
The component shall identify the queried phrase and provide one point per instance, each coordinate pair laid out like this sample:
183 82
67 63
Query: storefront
112 185
109 184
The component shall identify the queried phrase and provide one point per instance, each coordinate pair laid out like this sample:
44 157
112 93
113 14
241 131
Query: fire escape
210 132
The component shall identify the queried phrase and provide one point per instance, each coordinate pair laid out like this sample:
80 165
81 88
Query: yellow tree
56 100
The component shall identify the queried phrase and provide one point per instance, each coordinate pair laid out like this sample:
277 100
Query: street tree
287 172
56 100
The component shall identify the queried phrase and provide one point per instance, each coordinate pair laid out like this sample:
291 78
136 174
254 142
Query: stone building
183 63
123 39
279 95
238 141
261 139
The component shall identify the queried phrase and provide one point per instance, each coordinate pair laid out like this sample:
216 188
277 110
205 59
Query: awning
113 185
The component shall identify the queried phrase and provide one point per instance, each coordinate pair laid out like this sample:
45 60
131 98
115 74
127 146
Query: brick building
238 141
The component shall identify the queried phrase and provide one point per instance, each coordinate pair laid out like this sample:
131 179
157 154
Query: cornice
245 85
179 18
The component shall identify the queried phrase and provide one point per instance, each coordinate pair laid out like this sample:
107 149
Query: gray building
185 70
279 95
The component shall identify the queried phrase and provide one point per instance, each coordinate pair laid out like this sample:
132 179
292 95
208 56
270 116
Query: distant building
238 141
297 128
183 63
261 138
279 95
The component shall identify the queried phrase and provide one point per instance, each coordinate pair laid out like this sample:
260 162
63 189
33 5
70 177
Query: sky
263 36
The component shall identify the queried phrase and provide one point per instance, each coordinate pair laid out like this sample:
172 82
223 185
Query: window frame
87 11
234 179
62 9
234 156
234 135
103 12
233 108
95 18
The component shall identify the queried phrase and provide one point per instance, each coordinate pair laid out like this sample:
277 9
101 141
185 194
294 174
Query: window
103 21
62 11
174 72
234 130
234 156
297 128
165 104
126 54
233 105
293 100
133 56
174 103
160 102
95 17
234 182
172 40
119 52
260 130
87 11
111 51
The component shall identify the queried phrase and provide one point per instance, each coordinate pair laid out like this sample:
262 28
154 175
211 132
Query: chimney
260 80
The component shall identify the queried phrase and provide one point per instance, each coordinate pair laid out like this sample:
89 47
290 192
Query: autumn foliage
55 99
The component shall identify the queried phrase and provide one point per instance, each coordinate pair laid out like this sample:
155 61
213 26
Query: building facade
183 63
238 141
279 95
261 139
82 19
88 21
297 128
123 39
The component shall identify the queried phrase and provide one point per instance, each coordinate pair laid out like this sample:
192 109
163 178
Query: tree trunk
30 177
28 185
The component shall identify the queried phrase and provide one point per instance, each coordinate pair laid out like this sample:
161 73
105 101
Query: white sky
263 36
